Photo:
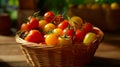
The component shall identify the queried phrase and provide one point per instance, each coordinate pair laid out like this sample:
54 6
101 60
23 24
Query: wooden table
107 55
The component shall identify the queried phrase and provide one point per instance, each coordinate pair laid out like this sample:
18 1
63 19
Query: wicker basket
75 55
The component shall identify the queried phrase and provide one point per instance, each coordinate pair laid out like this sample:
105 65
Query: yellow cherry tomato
48 27
64 41
42 23
57 31
76 21
51 39
89 38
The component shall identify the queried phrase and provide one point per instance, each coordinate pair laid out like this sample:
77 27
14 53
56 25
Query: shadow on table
96 62
14 64
112 39
104 62
4 64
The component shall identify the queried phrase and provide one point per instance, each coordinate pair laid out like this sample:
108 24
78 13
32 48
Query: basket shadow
4 64
14 64
104 62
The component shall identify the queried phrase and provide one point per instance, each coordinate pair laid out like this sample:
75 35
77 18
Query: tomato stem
36 14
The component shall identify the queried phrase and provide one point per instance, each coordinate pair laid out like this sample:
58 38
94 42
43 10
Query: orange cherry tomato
51 39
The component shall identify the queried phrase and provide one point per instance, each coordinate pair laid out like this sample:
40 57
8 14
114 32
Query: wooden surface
107 55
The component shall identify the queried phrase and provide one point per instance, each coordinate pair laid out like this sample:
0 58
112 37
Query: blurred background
104 14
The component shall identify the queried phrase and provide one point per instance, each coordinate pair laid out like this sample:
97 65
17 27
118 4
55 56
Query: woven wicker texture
75 55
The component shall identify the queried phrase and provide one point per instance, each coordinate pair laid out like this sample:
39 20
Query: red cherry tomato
24 27
87 27
49 16
79 36
64 24
68 32
34 36
34 23
58 19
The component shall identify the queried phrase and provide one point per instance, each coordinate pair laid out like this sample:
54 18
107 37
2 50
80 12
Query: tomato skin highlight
49 16
64 24
34 36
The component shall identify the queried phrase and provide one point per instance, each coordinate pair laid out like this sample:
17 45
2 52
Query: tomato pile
56 30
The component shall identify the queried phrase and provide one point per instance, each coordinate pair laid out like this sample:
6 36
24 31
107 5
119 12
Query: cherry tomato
87 27
89 38
64 24
42 24
69 32
64 41
57 31
49 16
58 19
76 21
24 27
34 36
49 27
44 36
33 23
79 36
51 39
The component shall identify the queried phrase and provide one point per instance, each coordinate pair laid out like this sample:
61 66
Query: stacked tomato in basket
57 30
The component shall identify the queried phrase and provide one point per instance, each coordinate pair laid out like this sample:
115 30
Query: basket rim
40 45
